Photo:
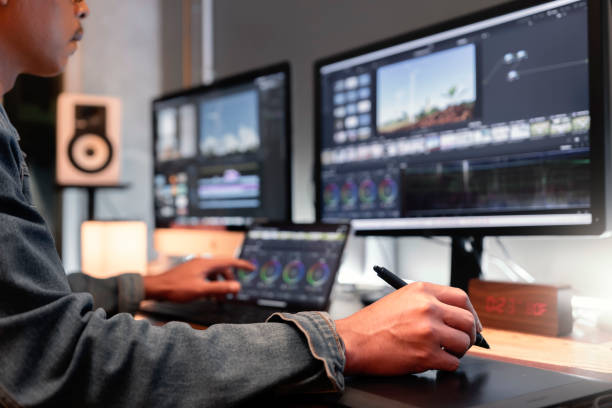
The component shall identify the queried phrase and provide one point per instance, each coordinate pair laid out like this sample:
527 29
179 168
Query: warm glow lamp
182 242
109 248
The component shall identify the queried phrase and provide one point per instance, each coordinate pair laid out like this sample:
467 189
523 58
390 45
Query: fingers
445 361
216 266
219 288
456 297
455 342
459 319
226 273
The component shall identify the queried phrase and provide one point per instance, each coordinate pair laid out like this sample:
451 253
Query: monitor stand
466 260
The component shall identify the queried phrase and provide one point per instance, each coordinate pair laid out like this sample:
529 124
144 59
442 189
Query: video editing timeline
485 119
291 266
221 152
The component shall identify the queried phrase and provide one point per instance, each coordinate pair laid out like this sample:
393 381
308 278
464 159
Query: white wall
119 56
249 34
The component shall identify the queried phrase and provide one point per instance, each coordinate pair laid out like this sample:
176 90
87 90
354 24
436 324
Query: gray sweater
57 350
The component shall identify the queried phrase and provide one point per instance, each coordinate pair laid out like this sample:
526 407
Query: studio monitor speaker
88 140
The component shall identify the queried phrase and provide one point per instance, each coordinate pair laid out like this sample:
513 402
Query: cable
502 265
385 250
516 268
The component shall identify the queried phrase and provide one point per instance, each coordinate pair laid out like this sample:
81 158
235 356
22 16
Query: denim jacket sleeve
56 350
119 294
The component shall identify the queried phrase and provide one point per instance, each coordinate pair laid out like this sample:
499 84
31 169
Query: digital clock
539 309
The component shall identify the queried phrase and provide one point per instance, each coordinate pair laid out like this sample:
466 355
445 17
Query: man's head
38 36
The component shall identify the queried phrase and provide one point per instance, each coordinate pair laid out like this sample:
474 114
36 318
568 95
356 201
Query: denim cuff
131 292
323 341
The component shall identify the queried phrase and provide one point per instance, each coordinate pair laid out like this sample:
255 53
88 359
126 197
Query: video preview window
433 90
230 124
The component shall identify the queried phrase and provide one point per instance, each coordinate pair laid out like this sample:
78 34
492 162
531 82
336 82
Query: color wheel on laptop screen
318 274
245 275
270 271
293 272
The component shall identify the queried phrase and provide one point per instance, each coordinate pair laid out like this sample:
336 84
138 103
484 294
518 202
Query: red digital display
506 305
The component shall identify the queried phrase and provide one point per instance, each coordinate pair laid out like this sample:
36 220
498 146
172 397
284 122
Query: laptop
295 268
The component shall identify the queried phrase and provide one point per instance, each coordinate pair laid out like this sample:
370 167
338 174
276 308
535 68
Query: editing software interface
221 154
293 267
484 125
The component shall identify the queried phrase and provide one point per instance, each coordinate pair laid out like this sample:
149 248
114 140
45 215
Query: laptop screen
295 265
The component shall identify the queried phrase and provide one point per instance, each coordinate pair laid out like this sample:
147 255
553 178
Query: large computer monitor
222 152
491 124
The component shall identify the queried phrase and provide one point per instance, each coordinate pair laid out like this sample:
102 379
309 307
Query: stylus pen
395 281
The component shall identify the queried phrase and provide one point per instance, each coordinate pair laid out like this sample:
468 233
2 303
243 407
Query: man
56 350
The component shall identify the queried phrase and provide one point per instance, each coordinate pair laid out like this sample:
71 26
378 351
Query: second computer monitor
222 152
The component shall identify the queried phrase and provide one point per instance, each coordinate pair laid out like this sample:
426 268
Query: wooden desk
575 354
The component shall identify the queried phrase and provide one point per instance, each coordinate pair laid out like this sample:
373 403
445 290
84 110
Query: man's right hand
419 327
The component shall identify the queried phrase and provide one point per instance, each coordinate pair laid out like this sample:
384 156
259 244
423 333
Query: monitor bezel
226 82
598 106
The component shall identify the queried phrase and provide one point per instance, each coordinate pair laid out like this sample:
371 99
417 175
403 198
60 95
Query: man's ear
3 2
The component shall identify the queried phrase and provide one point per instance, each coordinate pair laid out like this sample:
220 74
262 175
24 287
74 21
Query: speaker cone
90 153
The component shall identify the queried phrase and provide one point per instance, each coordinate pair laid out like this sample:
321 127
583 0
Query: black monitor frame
228 82
599 108
467 243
